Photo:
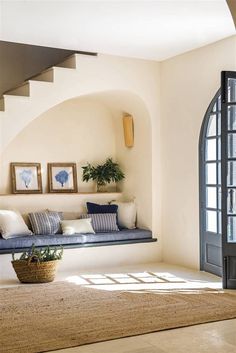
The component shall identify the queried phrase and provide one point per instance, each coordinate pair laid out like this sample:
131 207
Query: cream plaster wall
188 84
79 130
135 161
89 259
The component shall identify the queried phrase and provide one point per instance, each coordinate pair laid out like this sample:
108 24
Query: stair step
85 58
2 105
15 97
13 102
46 75
20 90
69 62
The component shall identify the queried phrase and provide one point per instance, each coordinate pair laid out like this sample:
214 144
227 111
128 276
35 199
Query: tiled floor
217 337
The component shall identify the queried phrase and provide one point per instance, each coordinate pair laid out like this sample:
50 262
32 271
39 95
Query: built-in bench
127 236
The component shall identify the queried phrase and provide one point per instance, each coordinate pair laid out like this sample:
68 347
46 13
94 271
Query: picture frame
62 177
26 178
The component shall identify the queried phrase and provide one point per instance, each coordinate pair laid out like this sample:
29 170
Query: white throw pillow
12 224
77 226
126 214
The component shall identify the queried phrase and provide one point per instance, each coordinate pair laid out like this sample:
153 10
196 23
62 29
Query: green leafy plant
103 174
40 255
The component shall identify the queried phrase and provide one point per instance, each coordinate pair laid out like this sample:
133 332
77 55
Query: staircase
22 104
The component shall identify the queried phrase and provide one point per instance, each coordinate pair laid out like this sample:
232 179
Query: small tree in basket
37 265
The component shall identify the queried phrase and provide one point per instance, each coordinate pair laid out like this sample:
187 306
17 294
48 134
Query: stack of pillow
102 218
99 218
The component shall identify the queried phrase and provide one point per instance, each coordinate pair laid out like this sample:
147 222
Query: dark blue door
210 189
228 89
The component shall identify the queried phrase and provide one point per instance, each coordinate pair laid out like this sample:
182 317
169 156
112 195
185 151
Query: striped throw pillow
45 222
102 222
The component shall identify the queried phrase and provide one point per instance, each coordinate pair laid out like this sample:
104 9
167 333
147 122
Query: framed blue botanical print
62 177
26 178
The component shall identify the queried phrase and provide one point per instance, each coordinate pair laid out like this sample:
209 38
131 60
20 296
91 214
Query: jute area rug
40 318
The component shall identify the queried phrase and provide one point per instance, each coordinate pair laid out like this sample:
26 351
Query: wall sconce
128 126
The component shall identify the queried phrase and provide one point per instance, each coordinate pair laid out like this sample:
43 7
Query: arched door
210 189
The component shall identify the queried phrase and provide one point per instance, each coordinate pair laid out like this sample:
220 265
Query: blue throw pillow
96 208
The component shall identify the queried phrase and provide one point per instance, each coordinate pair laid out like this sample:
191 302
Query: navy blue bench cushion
59 239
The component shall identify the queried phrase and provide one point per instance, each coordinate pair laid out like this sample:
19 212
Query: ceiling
156 29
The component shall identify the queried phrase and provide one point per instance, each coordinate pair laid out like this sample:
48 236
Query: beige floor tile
125 345
81 349
203 338
146 350
130 344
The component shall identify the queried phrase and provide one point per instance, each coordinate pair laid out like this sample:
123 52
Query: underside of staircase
22 104
25 88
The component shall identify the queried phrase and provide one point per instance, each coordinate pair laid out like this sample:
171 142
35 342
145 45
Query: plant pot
35 272
101 188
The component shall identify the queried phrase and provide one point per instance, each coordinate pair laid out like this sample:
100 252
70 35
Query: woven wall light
128 126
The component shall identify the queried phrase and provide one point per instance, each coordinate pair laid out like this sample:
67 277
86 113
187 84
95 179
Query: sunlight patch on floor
140 281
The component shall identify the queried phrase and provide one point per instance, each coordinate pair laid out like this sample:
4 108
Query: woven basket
35 272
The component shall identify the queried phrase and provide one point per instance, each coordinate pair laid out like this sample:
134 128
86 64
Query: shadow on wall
89 129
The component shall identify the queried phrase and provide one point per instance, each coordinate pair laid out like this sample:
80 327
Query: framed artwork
26 178
62 177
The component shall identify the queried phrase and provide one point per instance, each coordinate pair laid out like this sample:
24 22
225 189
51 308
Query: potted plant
103 173
37 265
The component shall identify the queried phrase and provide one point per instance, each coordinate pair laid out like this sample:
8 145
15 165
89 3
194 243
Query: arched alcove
89 129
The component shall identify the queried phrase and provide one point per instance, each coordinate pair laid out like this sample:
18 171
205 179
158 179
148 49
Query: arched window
210 188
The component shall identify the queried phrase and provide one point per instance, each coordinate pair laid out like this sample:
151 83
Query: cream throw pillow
126 214
77 226
12 224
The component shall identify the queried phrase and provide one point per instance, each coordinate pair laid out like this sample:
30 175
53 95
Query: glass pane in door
211 173
219 124
211 198
219 173
211 149
219 223
231 117
211 221
219 148
231 227
231 90
219 198
231 145
211 128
